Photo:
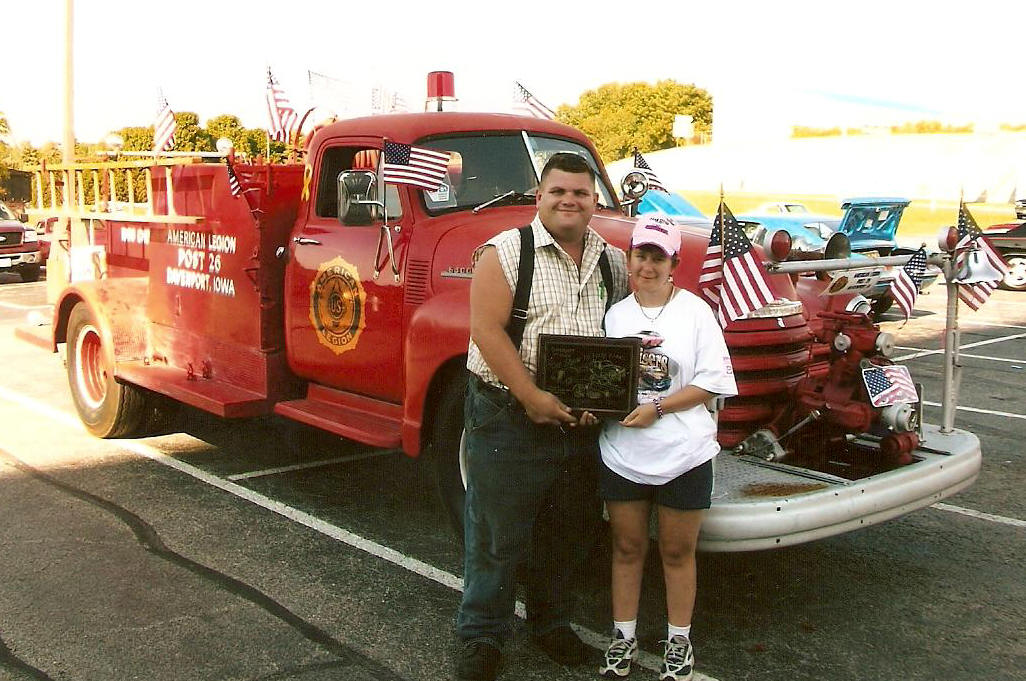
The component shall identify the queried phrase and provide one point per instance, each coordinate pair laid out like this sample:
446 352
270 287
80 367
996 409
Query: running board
354 417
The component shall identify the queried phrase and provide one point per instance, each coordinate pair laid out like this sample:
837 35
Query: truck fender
71 296
435 328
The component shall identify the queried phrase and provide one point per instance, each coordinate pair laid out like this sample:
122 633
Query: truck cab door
343 324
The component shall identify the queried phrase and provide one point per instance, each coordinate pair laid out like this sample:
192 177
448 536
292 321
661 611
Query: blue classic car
871 225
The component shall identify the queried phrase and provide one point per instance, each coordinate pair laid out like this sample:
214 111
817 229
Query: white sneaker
678 660
619 656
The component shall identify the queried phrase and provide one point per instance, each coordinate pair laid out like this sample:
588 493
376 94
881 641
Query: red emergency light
441 87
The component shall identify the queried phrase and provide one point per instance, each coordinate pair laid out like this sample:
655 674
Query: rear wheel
1015 280
29 273
448 451
108 408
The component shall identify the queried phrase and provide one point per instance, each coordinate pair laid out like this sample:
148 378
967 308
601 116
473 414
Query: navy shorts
690 491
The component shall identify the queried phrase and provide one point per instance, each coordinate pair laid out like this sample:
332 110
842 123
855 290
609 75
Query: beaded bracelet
659 407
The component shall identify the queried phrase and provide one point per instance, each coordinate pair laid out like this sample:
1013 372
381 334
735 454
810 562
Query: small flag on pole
233 179
732 280
711 276
641 165
528 104
905 286
975 294
889 385
283 116
405 164
164 126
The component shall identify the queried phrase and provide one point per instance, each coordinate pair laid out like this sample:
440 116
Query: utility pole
69 85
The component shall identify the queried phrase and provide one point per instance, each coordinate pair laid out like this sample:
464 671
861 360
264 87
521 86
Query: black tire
1015 280
879 306
108 409
445 450
30 273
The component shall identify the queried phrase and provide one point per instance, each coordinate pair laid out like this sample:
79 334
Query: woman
662 451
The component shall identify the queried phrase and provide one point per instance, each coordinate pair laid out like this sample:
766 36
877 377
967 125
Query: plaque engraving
599 375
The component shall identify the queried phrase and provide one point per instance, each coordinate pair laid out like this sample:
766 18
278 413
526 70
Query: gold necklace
673 290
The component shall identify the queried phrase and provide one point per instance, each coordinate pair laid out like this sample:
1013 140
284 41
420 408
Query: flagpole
952 367
952 340
723 243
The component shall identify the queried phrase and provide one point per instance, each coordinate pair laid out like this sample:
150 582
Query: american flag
641 165
527 103
405 164
233 179
975 294
164 126
905 287
889 385
732 280
283 116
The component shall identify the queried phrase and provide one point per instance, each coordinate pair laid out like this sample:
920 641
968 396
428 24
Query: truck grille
10 239
769 357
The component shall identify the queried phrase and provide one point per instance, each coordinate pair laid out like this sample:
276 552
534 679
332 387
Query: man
531 462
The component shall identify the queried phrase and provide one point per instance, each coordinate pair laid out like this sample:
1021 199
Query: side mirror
634 185
357 197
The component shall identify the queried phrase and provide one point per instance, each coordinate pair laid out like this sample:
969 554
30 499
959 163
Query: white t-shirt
682 346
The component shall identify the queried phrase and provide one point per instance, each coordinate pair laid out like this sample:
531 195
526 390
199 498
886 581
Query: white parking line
595 639
310 464
963 354
1014 522
976 410
18 306
989 341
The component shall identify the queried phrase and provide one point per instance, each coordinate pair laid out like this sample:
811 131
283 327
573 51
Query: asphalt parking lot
265 550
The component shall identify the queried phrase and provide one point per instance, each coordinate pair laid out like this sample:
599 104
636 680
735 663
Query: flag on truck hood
889 385
732 280
164 126
905 285
975 257
528 104
283 116
642 166
405 164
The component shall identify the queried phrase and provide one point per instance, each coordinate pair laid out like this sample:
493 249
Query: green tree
189 136
226 125
137 138
619 117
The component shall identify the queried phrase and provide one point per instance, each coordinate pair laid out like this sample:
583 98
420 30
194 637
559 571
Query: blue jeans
531 496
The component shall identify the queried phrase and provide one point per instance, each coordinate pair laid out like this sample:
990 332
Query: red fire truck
312 296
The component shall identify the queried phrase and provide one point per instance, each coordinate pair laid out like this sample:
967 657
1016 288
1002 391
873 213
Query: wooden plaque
599 375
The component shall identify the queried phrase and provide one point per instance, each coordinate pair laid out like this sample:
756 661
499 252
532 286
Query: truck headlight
30 236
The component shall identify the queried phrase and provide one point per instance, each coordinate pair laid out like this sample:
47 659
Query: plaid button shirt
564 299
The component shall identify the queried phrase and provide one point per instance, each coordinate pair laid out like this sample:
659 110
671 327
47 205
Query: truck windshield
5 214
483 167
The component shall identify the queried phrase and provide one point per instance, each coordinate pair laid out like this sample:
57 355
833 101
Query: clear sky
921 60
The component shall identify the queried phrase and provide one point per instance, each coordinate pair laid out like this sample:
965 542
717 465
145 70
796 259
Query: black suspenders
525 276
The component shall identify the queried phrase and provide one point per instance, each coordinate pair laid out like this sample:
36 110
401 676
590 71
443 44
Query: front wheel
1015 280
108 409
449 453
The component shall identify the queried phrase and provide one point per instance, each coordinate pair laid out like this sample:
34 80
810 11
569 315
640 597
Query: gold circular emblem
337 305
